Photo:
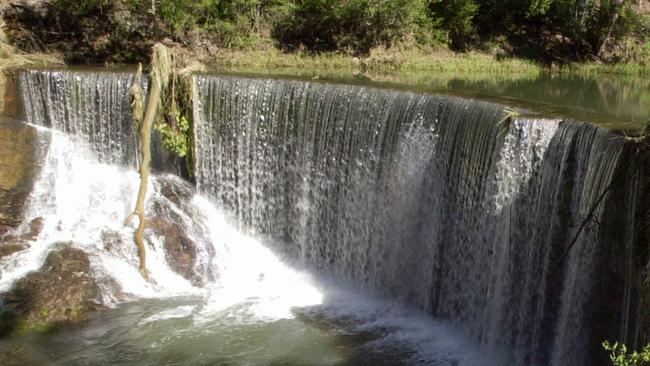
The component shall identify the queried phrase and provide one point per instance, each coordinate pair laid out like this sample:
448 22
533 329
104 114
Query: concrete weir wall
19 144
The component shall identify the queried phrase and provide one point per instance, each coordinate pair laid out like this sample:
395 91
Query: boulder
181 250
176 190
12 246
61 292
33 229
165 223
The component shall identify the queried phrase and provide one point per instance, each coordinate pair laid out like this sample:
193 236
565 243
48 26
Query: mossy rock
61 292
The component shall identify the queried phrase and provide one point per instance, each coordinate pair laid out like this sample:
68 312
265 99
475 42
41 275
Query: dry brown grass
12 58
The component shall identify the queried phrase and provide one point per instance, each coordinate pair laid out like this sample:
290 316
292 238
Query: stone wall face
18 163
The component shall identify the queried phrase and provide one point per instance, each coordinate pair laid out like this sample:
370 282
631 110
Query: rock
34 229
120 246
61 292
112 241
10 247
176 190
165 223
180 251
500 54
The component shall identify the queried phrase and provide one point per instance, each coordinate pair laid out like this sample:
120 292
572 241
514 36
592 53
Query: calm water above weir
614 101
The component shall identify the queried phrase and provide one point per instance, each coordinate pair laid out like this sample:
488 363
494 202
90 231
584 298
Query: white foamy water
80 199
251 275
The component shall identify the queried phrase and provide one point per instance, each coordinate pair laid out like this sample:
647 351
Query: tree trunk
145 151
161 64
612 24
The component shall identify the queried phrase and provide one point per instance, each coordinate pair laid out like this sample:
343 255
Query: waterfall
440 202
522 232
87 185
94 105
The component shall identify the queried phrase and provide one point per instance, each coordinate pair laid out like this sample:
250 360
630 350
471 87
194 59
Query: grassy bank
11 58
379 61
386 62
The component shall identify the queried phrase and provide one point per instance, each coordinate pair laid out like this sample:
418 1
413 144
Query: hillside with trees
546 31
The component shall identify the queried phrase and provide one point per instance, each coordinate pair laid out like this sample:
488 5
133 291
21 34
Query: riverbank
380 62
399 62
12 59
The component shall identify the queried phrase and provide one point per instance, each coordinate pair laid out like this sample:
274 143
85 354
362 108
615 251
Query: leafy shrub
354 25
456 16
621 356
176 138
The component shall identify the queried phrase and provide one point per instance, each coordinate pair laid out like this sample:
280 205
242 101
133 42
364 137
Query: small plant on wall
176 135
621 356
175 120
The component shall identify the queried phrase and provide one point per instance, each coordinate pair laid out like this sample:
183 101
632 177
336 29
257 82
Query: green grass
380 61
593 68
399 63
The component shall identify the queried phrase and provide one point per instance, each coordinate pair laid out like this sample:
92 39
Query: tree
457 17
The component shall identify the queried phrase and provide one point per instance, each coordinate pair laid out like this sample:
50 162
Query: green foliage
567 28
353 25
621 356
175 122
548 30
233 23
457 17
539 7
176 137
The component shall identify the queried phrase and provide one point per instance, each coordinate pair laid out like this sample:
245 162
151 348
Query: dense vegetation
544 30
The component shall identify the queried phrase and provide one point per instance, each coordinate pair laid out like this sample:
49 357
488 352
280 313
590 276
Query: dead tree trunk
160 70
